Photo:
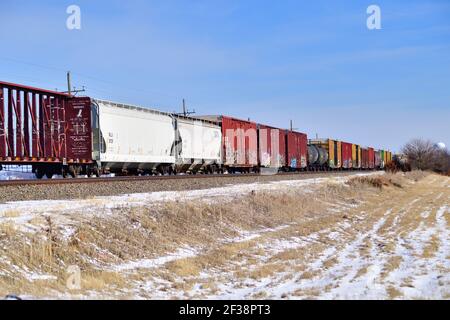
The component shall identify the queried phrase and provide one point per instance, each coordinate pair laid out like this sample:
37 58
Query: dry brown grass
11 213
432 247
416 175
148 232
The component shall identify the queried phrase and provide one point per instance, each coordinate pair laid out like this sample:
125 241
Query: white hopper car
130 139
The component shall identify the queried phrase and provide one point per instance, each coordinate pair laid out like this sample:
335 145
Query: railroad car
371 158
132 139
57 133
51 131
329 153
239 143
296 150
383 159
377 162
356 156
388 157
271 147
197 145
137 140
346 155
365 158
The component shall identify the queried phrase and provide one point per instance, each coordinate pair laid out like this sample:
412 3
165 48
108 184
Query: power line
82 75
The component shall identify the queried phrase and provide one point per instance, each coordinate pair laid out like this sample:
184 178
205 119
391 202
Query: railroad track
158 178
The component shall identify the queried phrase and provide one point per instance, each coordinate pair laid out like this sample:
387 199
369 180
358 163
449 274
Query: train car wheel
39 173
73 171
49 174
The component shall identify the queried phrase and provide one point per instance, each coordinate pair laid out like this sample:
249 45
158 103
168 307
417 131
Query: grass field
376 236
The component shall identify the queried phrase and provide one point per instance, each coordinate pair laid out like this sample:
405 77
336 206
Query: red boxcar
371 155
43 126
239 142
271 147
346 149
297 150
364 158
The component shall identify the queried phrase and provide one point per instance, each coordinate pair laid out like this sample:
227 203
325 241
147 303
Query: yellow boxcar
334 150
356 156
360 158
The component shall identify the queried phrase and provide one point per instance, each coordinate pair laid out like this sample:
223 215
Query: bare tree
425 155
442 161
420 154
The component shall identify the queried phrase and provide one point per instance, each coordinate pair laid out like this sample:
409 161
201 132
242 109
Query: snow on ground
157 262
22 212
12 172
387 260
396 245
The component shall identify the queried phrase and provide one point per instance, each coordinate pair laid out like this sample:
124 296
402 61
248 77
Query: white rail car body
198 144
133 138
129 138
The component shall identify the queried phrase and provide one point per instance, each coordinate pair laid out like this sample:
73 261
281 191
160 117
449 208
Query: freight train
60 134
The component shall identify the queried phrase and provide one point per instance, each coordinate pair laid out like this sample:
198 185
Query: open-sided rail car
51 131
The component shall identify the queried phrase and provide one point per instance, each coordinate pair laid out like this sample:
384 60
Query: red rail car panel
346 149
35 150
41 126
271 147
19 130
79 138
240 146
371 155
10 124
3 148
26 125
297 150
364 158
34 128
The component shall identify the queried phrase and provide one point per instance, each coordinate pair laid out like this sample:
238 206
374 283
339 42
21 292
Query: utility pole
186 111
69 91
292 126
69 86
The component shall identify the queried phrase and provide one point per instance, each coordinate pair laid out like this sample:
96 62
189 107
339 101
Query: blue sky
311 61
